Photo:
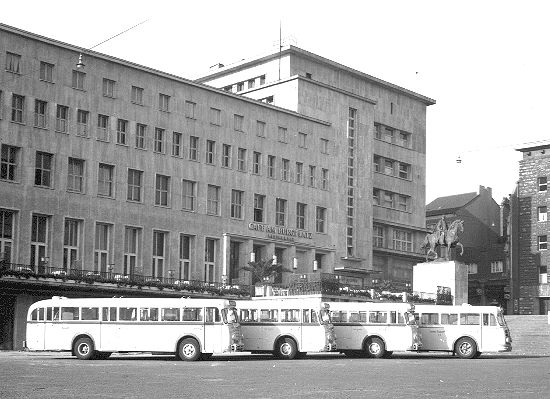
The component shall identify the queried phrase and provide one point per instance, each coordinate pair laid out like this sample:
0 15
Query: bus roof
129 302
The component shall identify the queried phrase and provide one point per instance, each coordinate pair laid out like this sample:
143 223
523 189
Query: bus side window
305 316
469 319
127 314
339 316
393 317
72 313
489 320
247 315
90 313
401 318
212 315
41 314
192 314
429 319
269 315
148 314
56 312
378 317
289 315
49 314
493 320
449 319
170 314
34 315
109 314
314 318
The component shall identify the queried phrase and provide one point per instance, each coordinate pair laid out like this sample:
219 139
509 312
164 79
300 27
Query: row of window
391 200
377 317
401 239
391 135
246 84
496 267
391 167
276 315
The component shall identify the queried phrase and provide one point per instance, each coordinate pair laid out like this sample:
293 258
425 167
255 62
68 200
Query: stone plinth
428 276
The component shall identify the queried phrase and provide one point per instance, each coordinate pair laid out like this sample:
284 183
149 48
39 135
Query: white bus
374 329
96 327
285 326
465 330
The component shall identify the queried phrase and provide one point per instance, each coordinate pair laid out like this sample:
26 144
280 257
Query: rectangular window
39 239
388 167
137 95
469 319
280 212
262 80
542 241
71 245
121 132
241 160
215 116
9 163
472 268
78 80
43 169
17 108
188 195
376 196
404 139
6 235
131 249
170 314
226 156
190 109
543 185
82 123
213 200
311 176
301 216
108 88
238 121
237 204
162 190
251 83
403 203
209 259
177 142
158 143
260 129
13 63
102 127
543 213
193 148
184 271
159 254
40 114
46 72
259 208
256 163
105 180
324 179
302 140
388 135
210 151
377 162
75 176
320 219
324 146
135 178
271 166
285 169
282 134
240 86
378 236
299 173
141 131
101 247
402 240
404 170
164 102
61 119
543 274
388 199
497 266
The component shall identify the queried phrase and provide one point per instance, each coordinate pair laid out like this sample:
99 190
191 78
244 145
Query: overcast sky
486 63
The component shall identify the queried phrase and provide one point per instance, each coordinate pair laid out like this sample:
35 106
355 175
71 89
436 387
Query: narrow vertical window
213 200
71 245
17 108
299 173
164 102
141 132
102 127
256 163
134 185
43 169
101 247
61 118
159 254
226 156
131 249
259 208
177 142
137 95
280 212
184 270
162 190
78 80
82 123
271 166
40 114
121 131
260 129
108 88
75 176
105 180
188 195
46 72
241 160
193 148
9 160
320 219
301 216
209 259
237 204
210 151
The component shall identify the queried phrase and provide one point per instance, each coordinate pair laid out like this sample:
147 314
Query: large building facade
112 167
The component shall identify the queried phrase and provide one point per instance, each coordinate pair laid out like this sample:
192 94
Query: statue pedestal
429 275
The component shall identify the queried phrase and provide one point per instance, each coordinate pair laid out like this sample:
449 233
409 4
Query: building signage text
282 233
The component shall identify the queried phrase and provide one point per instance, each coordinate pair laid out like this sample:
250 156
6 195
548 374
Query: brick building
114 169
484 242
530 230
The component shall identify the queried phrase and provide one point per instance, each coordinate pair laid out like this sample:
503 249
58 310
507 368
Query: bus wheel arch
374 346
466 347
188 348
83 347
286 347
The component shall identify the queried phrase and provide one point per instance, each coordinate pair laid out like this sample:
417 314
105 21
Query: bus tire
102 355
189 350
84 348
375 347
286 349
465 348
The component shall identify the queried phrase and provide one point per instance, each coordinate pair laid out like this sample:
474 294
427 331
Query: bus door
109 329
434 335
52 325
491 332
216 337
36 330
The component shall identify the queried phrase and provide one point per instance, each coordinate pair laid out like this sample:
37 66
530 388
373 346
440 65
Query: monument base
428 276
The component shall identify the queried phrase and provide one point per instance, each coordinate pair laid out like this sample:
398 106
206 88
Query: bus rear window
449 319
192 314
127 314
148 314
248 315
339 316
90 313
469 319
170 314
269 315
70 313
429 318
290 315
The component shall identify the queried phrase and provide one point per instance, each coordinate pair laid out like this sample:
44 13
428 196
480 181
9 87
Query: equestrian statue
444 235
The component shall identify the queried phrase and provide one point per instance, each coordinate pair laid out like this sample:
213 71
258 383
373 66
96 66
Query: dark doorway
234 248
7 313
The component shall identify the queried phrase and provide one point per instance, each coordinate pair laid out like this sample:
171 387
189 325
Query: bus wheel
465 348
189 350
102 355
286 349
84 349
375 347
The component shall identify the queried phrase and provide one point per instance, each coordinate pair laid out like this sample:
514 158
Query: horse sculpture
442 237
